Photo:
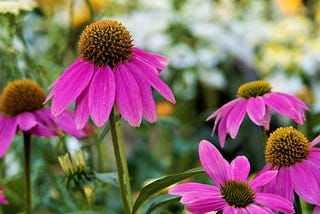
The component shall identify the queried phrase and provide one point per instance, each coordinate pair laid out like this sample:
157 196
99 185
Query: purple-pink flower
110 71
22 109
297 161
3 200
257 100
233 193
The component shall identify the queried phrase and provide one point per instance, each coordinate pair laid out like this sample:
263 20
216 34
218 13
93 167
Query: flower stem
27 171
121 161
297 204
264 137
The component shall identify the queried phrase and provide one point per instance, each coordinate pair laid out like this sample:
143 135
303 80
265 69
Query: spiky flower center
254 89
286 146
237 193
105 42
21 96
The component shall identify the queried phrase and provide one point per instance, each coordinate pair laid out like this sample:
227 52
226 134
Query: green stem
297 204
118 150
27 171
88 3
264 137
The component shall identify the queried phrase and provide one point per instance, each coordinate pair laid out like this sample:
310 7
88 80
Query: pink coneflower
21 108
110 71
297 162
256 99
2 197
233 193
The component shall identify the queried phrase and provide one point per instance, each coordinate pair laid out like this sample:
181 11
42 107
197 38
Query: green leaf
85 212
162 183
161 201
109 178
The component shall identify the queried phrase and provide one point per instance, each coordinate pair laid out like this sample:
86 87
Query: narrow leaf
104 132
161 201
162 183
109 178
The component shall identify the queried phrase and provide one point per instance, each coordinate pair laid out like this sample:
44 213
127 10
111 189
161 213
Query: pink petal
82 109
240 168
72 82
274 202
315 141
101 95
222 112
267 118
304 183
222 131
26 121
253 209
295 101
256 110
284 185
148 103
156 60
206 205
67 123
154 80
8 128
283 106
235 118
213 163
233 210
263 178
316 210
128 95
314 156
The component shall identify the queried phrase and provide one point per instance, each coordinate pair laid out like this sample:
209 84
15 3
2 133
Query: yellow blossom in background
289 7
164 109
306 95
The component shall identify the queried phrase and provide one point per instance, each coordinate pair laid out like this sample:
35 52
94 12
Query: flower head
297 161
110 70
2 198
233 193
257 100
21 108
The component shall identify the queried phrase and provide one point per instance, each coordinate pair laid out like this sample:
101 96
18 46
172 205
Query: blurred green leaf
104 132
161 201
162 183
109 178
85 212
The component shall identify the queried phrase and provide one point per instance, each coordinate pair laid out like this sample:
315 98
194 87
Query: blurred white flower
282 82
15 7
181 56
213 78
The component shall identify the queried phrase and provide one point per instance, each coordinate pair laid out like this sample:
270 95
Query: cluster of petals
302 177
96 89
40 123
3 200
203 198
230 116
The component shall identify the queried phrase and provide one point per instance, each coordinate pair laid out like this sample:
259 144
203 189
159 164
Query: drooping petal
267 118
128 96
8 128
101 95
283 106
240 168
70 85
274 202
235 118
222 131
256 110
316 210
148 103
26 121
206 205
154 80
314 156
66 123
156 60
304 183
284 186
213 163
82 109
295 101
263 178
233 210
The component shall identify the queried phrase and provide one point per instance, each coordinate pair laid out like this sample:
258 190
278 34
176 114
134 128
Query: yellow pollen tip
254 89
21 96
286 146
105 42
